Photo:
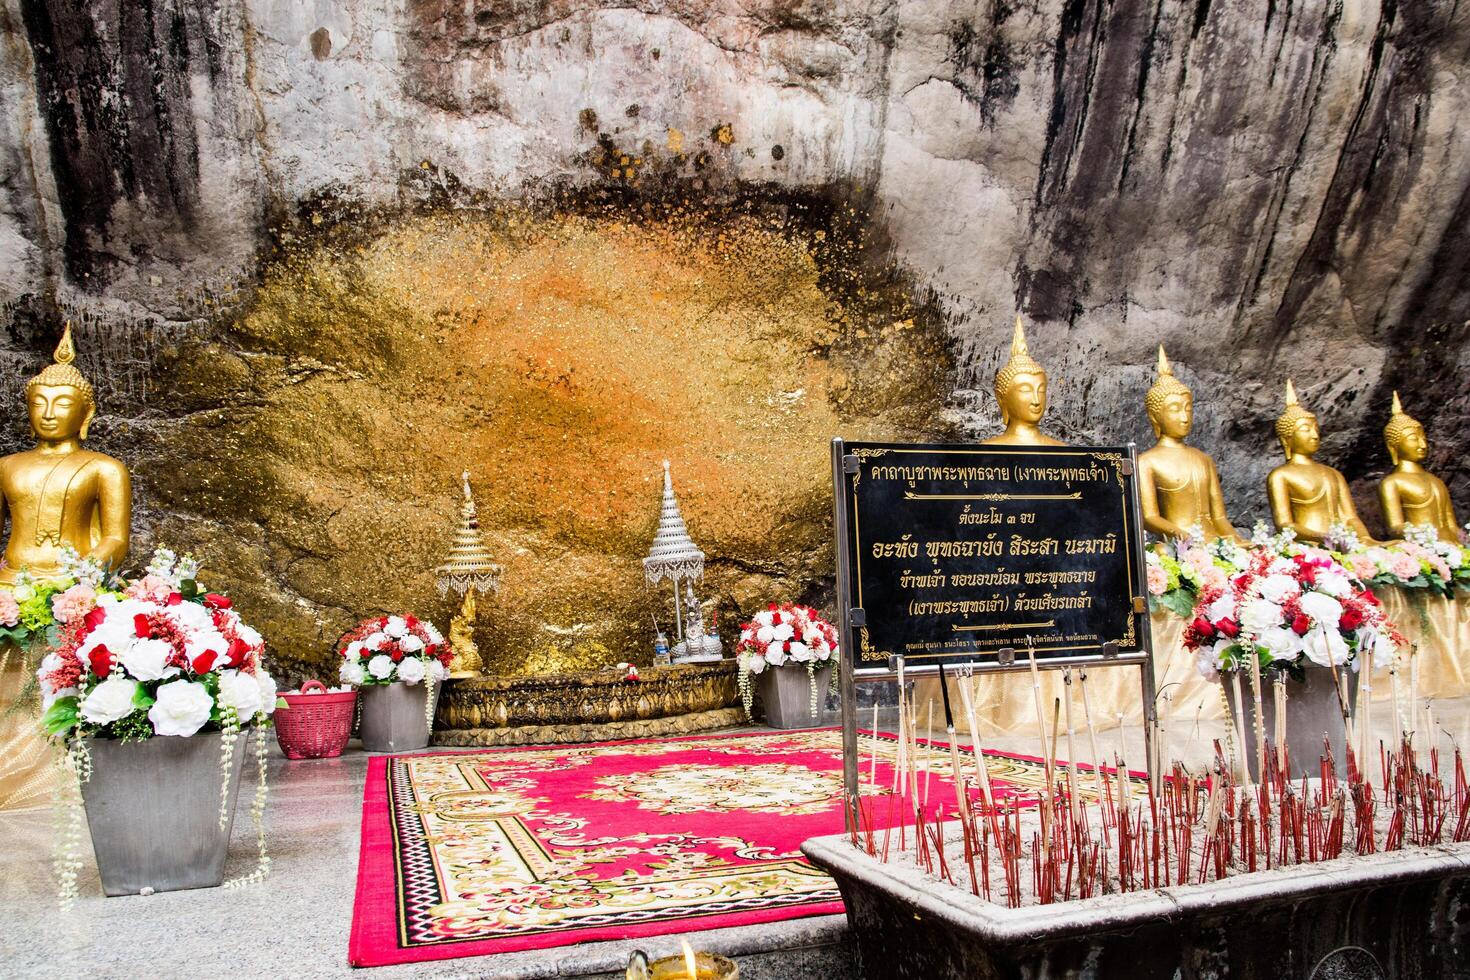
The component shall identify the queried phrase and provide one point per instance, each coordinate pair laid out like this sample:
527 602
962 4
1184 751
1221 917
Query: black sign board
957 553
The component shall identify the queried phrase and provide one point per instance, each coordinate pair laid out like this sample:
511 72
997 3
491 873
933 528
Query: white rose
411 670
766 634
775 655
24 593
1323 609
50 697
267 685
1281 643
192 616
1325 647
239 691
375 642
117 639
182 708
1280 566
1333 584
435 637
1207 663
410 644
381 666
397 627
755 663
352 673
210 641
1259 615
147 660
1221 608
783 632
354 650
1277 588
801 653
110 701
437 670
763 618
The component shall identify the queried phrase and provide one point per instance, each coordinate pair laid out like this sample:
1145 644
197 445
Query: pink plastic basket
315 726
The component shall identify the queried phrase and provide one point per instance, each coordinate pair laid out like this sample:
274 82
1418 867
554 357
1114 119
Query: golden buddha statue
1020 389
59 494
1306 496
1178 486
1411 494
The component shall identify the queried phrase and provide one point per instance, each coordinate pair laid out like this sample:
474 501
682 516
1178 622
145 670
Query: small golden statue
1020 390
469 569
1411 494
1306 496
1178 486
58 494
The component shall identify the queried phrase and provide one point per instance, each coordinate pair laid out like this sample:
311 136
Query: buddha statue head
1169 402
59 399
1020 385
1404 436
1296 427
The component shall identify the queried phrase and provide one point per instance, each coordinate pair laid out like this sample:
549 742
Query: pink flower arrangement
9 609
1158 580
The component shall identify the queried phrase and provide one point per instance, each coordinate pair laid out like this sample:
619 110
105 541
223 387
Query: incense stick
873 764
1071 747
1097 762
1260 716
982 772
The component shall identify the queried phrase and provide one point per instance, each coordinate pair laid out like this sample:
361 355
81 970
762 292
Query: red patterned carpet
470 853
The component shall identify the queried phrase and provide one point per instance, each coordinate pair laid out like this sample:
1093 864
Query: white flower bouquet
781 635
388 649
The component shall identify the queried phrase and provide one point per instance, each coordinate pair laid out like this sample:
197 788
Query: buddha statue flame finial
1165 384
62 372
1287 420
1021 362
1399 424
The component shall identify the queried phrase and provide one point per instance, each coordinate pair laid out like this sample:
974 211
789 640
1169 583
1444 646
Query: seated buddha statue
1178 486
1411 494
1020 389
59 494
1306 496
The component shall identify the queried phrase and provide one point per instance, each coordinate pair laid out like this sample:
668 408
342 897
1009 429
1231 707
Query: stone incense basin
587 705
1388 915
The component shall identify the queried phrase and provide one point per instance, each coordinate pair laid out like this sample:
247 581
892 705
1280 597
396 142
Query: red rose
411 622
1229 627
174 599
216 601
141 626
1203 627
1352 618
204 663
101 658
396 654
93 619
239 650
772 606
1368 594
1301 624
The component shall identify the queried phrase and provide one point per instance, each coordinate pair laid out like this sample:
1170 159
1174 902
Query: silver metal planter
1312 711
153 809
393 716
786 693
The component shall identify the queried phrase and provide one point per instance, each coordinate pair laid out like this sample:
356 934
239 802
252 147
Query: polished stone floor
297 923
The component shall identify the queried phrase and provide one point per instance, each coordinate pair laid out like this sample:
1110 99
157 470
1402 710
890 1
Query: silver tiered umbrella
673 556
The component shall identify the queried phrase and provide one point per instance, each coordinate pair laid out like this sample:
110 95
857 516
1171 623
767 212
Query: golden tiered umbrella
468 570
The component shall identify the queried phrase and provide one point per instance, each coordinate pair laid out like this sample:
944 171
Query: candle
690 965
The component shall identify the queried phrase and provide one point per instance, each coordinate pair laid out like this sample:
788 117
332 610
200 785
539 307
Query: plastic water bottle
661 650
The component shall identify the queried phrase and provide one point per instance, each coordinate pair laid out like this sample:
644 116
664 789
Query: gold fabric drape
1437 628
27 768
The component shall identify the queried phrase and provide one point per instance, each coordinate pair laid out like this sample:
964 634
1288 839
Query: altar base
589 706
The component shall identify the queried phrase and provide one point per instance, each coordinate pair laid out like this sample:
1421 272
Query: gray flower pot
786 693
393 716
1312 711
153 809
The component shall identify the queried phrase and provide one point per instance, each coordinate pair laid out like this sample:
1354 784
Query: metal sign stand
851 619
